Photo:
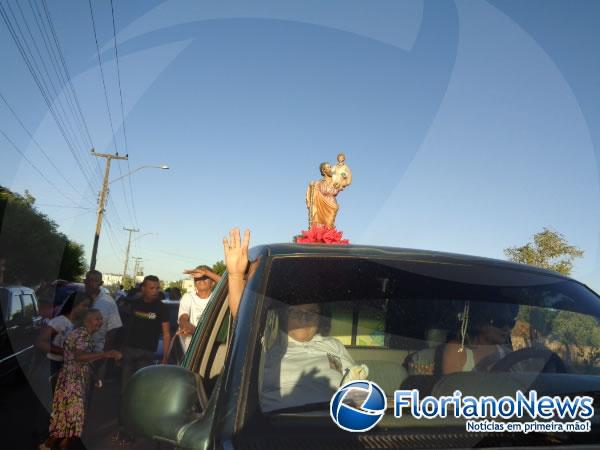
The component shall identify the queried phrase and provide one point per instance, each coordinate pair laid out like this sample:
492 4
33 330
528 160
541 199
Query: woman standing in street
68 405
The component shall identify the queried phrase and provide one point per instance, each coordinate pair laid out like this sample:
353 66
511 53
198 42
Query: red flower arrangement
321 235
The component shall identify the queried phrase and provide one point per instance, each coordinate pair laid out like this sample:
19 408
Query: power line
113 241
51 205
114 136
64 219
66 68
35 168
68 77
48 81
52 62
55 63
58 171
102 76
112 10
43 92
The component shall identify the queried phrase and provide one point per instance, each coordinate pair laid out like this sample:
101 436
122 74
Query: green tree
549 250
31 245
177 284
219 267
128 282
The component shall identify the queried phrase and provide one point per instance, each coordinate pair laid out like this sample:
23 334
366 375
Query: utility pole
102 201
136 268
131 230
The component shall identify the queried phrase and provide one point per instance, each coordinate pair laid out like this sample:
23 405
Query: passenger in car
302 367
487 339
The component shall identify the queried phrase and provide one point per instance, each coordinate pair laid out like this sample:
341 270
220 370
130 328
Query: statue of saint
321 195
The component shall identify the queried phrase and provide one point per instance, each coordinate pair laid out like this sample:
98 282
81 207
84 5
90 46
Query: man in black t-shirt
148 318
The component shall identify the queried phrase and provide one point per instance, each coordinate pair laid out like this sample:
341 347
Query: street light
102 200
163 167
145 234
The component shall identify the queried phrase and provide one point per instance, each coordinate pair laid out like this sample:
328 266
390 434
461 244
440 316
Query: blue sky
468 125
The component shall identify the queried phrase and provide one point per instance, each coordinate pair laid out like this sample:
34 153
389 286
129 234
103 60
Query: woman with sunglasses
487 339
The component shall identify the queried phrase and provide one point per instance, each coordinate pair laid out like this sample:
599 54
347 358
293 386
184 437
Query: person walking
105 338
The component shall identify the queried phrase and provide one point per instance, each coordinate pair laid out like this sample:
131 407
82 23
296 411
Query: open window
213 335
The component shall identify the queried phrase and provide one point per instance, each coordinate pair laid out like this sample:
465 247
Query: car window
16 308
213 359
28 306
206 355
411 326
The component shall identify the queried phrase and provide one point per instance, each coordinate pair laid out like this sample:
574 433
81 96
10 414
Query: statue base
321 235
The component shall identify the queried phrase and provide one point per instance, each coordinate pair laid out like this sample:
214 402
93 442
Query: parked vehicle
395 310
20 322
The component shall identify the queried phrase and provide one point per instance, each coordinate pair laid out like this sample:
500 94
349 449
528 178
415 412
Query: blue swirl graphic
362 417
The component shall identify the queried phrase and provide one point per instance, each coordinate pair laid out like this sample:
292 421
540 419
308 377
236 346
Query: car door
7 360
30 325
209 344
16 323
14 339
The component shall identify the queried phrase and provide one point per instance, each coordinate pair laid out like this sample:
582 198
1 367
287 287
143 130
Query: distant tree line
31 247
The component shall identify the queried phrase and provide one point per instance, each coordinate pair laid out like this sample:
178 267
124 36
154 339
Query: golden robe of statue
321 195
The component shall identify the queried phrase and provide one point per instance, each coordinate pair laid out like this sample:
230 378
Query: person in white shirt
53 335
104 338
193 304
303 367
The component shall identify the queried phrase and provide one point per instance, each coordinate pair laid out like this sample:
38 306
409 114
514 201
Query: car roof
17 288
394 253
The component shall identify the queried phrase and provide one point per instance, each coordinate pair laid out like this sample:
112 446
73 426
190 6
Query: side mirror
160 400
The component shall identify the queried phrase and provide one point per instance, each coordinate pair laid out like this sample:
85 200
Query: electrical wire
44 177
56 65
110 119
37 144
28 63
131 196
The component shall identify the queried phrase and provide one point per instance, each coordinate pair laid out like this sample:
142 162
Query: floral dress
68 404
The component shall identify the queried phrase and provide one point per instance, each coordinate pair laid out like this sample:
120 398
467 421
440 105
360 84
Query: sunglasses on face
503 322
202 278
303 316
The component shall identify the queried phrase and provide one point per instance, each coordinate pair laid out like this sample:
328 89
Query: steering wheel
554 364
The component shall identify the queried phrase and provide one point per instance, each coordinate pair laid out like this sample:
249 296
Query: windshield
419 324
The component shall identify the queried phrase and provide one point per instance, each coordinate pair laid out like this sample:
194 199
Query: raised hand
196 273
236 252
